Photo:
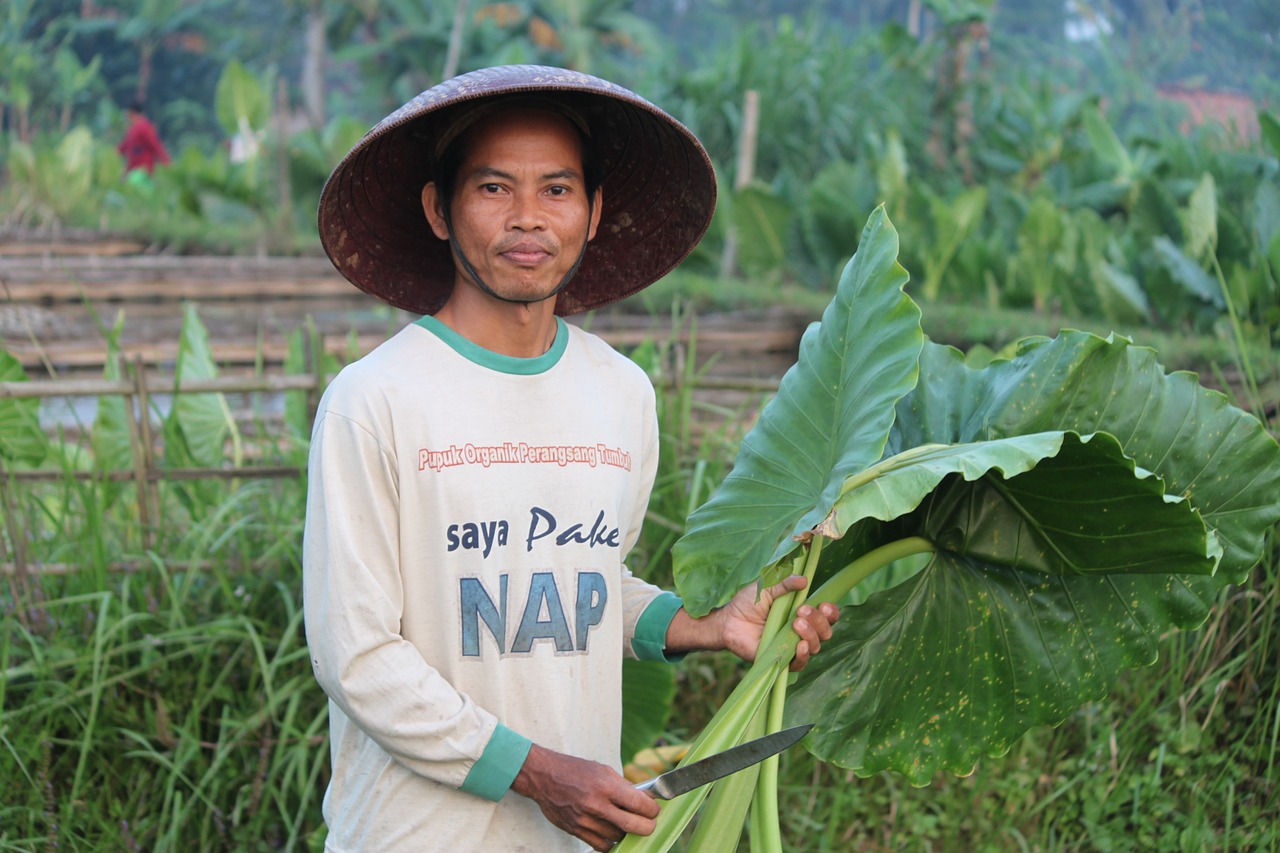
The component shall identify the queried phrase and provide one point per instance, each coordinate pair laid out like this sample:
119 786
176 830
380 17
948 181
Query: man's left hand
744 616
739 625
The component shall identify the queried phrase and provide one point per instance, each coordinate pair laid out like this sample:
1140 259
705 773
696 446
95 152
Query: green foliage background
1039 179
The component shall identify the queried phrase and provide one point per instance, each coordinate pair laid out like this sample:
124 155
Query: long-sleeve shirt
468 515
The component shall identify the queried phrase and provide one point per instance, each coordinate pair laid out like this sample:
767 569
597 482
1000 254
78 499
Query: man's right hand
585 798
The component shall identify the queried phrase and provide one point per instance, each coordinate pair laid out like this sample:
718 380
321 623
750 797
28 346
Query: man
141 146
477 480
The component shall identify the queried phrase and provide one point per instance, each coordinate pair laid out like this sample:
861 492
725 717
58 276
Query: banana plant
1014 537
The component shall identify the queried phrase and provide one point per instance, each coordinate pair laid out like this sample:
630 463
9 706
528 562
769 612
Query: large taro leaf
962 659
830 419
1051 576
993 636
1204 448
1052 502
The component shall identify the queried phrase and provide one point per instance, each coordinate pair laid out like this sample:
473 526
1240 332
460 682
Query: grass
174 709
163 709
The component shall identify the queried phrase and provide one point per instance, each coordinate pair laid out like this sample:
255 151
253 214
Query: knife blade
682 780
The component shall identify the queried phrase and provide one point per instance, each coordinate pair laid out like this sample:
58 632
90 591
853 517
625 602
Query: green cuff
491 776
650 640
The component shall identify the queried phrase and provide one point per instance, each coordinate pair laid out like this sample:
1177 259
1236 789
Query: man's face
519 210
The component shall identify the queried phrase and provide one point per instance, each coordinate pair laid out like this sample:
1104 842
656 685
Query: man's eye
558 190
490 188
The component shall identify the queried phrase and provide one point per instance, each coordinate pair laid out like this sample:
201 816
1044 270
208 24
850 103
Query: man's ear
596 209
435 213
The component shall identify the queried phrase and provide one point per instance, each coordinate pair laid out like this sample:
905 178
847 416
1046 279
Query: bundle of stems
756 708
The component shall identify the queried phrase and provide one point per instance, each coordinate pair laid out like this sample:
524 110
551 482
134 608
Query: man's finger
640 820
600 833
791 583
801 659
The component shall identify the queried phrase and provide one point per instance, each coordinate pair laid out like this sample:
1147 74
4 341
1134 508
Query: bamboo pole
149 491
139 474
137 457
19 575
44 388
128 566
122 387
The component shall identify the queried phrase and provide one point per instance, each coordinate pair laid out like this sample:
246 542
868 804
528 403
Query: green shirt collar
496 361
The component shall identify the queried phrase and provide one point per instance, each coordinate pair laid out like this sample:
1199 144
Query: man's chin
524 294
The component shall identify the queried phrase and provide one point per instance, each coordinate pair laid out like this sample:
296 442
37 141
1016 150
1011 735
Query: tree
150 24
585 35
315 59
387 41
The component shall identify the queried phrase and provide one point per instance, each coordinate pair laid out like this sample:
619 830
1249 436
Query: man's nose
526 213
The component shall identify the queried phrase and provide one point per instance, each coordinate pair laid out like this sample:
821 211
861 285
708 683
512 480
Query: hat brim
657 182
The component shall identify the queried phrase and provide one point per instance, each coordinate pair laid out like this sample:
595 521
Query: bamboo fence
144 469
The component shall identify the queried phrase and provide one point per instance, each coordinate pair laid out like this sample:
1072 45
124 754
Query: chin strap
480 282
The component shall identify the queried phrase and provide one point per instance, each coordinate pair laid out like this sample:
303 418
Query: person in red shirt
141 146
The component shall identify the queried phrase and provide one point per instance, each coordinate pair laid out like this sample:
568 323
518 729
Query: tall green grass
166 708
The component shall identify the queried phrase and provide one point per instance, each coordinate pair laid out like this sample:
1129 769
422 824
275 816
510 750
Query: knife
682 780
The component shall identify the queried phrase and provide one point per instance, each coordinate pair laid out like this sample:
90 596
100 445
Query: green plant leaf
198 425
1270 130
762 219
240 101
830 419
1121 295
1049 583
832 211
892 168
1202 218
1106 144
648 689
110 437
21 437
1045 585
1053 502
1266 213
953 220
964 658
1188 274
75 167
1205 449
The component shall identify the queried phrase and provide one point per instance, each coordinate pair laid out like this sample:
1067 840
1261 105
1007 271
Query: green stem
782 647
724 814
878 470
778 616
767 834
766 824
843 582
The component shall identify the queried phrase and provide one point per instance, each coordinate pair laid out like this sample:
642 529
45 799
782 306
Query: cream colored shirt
467 519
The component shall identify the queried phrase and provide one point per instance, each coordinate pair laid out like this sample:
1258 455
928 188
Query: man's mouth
526 253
